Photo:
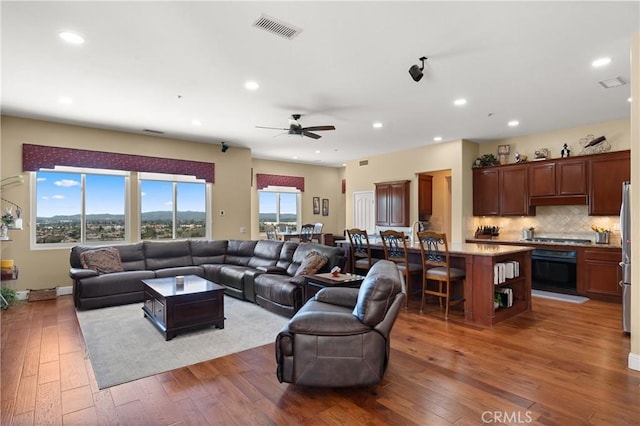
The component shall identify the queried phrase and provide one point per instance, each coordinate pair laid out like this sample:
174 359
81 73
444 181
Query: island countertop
478 261
472 249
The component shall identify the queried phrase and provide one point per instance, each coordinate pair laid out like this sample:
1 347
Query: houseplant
9 295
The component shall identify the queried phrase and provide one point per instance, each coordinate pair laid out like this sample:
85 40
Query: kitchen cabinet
486 184
558 182
501 191
425 196
600 275
392 203
606 174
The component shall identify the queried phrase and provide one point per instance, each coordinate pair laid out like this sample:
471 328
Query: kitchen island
478 261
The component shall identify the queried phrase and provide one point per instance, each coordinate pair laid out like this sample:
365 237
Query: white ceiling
160 65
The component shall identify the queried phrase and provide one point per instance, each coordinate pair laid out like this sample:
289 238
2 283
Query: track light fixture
416 71
224 147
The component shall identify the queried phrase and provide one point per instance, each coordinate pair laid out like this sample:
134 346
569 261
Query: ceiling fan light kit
416 71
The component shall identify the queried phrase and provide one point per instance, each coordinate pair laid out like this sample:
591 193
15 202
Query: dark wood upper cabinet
392 203
425 196
501 191
606 174
486 187
514 192
558 182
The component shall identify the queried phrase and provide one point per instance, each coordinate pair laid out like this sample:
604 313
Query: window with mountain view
170 210
79 207
279 208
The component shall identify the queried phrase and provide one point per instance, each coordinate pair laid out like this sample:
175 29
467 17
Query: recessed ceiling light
629 99
460 102
72 38
65 100
294 157
377 125
513 123
317 151
437 139
601 62
252 85
196 122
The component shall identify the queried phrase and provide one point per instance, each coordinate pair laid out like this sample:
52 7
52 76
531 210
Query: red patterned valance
35 157
344 186
264 180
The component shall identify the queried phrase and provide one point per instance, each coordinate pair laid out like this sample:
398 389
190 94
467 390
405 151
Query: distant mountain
105 217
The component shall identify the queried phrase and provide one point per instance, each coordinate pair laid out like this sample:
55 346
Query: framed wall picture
325 207
316 205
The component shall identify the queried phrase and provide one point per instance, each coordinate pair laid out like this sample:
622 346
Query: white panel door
364 211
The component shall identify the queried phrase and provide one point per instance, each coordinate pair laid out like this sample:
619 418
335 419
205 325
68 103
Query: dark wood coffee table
172 308
313 283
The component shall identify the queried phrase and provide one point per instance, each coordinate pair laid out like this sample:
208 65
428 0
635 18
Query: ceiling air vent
364 163
157 132
612 82
277 27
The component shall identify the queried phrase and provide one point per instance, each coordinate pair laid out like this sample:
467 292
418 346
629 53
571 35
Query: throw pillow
312 263
102 260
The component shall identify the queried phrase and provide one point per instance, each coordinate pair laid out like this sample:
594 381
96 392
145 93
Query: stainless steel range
559 240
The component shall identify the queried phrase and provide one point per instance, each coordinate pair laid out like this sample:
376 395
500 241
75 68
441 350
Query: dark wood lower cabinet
600 274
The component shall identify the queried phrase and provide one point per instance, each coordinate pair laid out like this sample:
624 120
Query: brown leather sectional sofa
263 271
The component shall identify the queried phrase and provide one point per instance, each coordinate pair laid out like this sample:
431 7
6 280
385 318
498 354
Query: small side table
313 283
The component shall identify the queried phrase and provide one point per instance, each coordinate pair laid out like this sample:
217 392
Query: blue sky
60 194
268 202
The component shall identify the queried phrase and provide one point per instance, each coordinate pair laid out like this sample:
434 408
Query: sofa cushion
312 263
170 254
377 292
334 254
265 253
131 255
103 260
208 251
240 252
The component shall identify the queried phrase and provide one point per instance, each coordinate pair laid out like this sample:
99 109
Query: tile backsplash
551 221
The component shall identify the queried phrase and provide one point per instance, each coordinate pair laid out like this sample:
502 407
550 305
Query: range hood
559 200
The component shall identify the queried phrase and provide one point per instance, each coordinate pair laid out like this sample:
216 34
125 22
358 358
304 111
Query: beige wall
453 157
320 181
49 268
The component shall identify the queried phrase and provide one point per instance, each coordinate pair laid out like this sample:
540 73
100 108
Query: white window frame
289 190
82 172
176 179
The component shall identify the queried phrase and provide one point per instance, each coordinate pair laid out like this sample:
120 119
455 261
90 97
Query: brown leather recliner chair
341 337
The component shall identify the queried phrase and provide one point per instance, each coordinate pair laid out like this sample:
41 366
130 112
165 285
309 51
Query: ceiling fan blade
311 135
271 128
316 128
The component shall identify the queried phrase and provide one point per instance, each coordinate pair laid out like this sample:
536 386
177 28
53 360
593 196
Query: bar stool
360 250
395 250
437 267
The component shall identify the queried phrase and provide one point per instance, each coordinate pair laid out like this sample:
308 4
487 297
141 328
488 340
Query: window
172 207
77 207
279 208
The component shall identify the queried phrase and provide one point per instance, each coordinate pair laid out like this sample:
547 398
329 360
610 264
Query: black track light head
416 71
224 147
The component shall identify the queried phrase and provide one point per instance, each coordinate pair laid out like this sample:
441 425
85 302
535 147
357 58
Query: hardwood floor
561 364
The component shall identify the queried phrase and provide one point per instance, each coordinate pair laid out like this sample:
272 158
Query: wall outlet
243 230
221 212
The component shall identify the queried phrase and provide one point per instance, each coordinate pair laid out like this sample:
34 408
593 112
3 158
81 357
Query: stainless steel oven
554 270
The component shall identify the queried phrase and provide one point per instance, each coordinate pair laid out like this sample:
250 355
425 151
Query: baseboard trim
634 361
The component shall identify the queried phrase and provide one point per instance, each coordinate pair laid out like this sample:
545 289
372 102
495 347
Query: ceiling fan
295 128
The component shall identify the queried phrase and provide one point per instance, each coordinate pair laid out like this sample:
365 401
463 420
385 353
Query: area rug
124 346
559 296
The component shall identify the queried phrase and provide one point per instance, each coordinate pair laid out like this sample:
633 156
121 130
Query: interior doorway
364 211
